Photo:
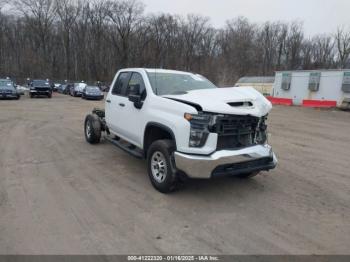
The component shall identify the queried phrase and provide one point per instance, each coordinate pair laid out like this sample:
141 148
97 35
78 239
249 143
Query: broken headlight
199 129
261 131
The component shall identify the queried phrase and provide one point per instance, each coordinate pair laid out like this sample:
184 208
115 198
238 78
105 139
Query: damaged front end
234 131
241 146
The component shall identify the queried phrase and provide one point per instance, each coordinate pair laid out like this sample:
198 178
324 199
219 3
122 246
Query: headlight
261 136
199 129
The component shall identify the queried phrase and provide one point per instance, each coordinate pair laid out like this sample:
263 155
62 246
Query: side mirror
135 96
136 99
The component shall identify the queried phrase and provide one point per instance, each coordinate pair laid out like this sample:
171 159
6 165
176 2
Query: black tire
248 175
167 181
18 97
31 95
49 95
92 129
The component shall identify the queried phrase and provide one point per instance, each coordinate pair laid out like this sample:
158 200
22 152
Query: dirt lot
60 195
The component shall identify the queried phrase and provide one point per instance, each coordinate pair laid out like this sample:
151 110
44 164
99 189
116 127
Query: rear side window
120 84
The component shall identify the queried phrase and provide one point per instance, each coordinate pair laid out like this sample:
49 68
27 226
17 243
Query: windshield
92 88
40 83
6 84
177 83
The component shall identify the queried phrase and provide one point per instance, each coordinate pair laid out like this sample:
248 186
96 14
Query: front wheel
161 166
92 129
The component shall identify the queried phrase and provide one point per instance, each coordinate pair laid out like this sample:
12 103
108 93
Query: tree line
91 40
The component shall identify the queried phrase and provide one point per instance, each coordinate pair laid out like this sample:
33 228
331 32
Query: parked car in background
104 88
21 90
92 92
40 88
77 89
56 87
65 89
61 88
8 89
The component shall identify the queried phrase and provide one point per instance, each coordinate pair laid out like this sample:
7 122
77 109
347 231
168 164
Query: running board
138 153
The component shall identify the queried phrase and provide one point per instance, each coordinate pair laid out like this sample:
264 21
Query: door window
120 84
136 80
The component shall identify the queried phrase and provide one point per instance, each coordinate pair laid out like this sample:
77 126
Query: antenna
155 73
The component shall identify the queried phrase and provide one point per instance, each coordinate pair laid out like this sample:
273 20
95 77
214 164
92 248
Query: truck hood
232 100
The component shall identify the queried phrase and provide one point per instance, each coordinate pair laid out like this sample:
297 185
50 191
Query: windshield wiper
179 93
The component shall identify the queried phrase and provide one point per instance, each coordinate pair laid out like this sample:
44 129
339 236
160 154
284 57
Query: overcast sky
318 16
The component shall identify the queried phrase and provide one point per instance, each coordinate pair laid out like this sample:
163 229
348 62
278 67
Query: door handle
121 104
108 101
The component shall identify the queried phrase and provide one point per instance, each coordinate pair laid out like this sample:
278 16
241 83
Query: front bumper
39 92
94 97
227 162
8 95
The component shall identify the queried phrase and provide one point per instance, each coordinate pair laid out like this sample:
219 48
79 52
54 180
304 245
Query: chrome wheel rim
88 129
158 166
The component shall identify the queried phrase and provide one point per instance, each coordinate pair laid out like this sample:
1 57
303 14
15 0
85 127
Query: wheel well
156 132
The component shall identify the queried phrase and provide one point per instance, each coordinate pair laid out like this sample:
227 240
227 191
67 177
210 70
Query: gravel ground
60 195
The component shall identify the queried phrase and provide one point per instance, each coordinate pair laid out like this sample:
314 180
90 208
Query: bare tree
194 28
238 45
323 51
293 45
126 16
269 39
343 44
39 16
161 31
68 11
282 40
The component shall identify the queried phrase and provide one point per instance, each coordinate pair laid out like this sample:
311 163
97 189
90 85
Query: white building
322 86
263 84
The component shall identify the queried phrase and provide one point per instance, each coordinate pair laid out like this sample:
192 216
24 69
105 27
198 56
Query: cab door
115 103
133 118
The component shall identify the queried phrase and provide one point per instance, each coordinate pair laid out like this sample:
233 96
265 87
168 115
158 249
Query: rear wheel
92 129
161 166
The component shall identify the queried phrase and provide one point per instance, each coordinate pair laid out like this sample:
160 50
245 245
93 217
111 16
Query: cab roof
156 70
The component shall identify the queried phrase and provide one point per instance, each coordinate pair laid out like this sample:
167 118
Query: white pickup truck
184 125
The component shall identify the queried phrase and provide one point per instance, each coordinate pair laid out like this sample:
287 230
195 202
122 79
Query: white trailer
314 87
